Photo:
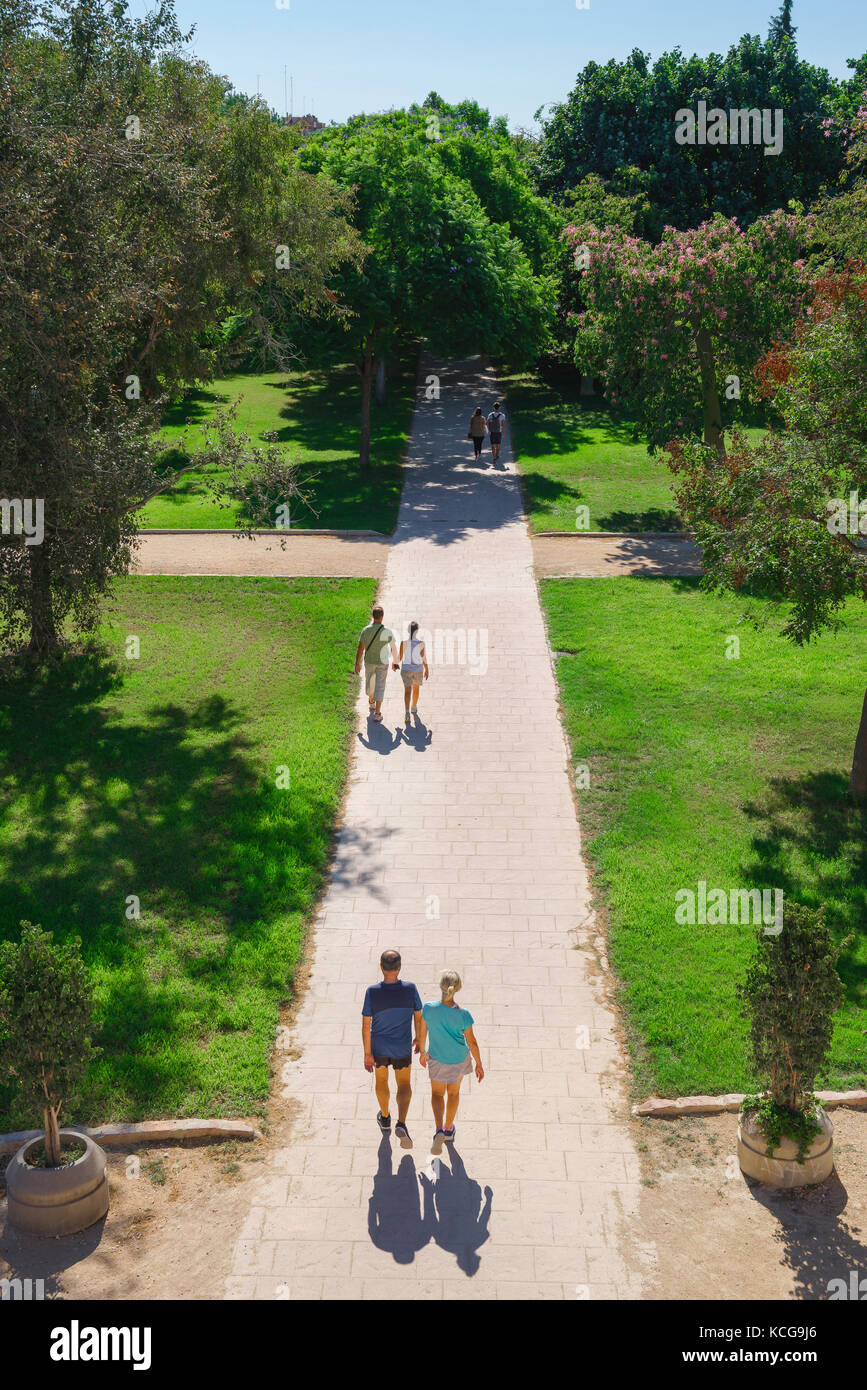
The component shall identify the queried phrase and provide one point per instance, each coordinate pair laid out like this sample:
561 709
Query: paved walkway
460 846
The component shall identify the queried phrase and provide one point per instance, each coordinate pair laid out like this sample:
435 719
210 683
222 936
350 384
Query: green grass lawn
578 452
734 771
157 778
317 416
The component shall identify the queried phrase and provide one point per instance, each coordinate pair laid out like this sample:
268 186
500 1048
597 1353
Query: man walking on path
390 1010
375 644
496 424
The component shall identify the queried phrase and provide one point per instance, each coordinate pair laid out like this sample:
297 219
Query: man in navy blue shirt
390 1016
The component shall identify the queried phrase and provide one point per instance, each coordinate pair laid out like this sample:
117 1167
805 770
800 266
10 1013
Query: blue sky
512 56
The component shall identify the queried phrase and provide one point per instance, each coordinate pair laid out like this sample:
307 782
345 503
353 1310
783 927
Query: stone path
459 845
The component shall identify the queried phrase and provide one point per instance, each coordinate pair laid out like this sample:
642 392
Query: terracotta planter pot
781 1168
57 1201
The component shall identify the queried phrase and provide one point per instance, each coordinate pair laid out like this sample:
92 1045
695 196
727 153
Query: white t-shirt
412 654
495 420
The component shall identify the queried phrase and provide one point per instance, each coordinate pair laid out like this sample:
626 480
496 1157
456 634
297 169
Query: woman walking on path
477 430
413 660
447 1047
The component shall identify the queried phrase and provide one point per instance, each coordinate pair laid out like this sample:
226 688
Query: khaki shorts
411 677
374 681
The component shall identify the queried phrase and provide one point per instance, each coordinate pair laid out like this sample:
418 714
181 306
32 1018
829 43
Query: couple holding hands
376 643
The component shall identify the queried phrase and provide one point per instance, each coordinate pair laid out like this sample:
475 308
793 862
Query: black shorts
397 1062
495 438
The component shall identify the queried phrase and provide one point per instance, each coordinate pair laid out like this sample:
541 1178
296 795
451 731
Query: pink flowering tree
675 329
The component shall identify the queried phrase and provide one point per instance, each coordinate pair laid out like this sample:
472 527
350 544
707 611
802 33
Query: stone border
242 535
656 1108
614 535
145 1132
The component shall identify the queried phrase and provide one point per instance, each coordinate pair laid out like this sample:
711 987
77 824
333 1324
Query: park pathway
459 845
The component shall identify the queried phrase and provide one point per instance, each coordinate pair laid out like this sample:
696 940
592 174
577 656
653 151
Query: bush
46 1012
790 995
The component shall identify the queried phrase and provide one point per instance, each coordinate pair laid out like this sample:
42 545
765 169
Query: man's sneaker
402 1133
449 1135
437 1145
406 717
384 1122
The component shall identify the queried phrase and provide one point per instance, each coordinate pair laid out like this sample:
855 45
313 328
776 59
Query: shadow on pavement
448 1210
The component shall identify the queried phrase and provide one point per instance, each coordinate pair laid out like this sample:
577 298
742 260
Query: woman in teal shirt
448 1048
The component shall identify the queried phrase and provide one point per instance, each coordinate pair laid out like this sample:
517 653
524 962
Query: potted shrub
790 995
56 1184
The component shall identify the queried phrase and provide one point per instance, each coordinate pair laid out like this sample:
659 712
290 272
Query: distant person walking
477 430
447 1047
375 644
413 661
496 424
390 1009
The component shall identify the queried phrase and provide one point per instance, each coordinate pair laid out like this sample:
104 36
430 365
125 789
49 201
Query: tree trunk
52 1137
366 384
380 381
713 431
858 779
43 633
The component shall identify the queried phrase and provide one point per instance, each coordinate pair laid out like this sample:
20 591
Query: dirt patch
710 1233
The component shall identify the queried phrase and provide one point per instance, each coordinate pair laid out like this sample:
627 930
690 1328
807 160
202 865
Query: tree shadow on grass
171 806
548 495
814 815
651 519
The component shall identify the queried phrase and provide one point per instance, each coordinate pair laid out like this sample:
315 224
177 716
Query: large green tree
674 329
137 210
620 117
456 241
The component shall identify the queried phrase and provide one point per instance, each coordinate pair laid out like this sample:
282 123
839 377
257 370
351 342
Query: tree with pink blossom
675 329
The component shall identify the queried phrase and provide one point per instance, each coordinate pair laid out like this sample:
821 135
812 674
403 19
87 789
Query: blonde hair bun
450 983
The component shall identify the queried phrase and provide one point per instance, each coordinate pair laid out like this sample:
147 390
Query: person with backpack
375 644
476 432
496 424
413 660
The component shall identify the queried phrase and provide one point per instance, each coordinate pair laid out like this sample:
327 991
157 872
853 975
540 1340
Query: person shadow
394 1217
380 738
417 734
455 1213
448 1210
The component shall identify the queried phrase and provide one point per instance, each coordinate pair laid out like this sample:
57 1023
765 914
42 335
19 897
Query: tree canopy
619 120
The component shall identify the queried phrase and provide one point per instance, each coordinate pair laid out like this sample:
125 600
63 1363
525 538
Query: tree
46 1012
674 328
455 239
791 992
785 518
137 212
622 115
781 25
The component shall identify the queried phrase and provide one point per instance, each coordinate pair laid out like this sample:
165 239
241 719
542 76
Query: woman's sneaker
384 1122
437 1145
402 1133
449 1135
